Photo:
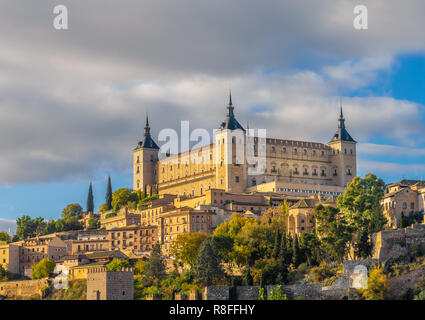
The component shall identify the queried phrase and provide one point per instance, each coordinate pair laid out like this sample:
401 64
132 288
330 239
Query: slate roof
341 133
230 122
147 141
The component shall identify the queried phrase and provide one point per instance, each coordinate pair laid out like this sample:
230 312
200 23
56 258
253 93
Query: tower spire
147 128
147 141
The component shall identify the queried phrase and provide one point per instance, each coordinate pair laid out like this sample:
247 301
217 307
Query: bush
43 269
322 272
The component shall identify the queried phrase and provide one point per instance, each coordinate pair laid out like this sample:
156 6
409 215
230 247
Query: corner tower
230 153
145 158
344 164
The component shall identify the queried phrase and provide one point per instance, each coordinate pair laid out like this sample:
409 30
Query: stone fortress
290 167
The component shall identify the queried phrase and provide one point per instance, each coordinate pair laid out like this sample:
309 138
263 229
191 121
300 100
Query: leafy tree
90 202
224 245
43 269
4 274
27 227
93 224
362 246
360 203
68 224
4 236
117 265
186 246
122 197
139 267
108 196
103 208
333 231
377 285
310 247
207 266
155 266
72 210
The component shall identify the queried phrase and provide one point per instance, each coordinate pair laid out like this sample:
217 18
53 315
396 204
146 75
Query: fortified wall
354 274
110 285
396 243
23 288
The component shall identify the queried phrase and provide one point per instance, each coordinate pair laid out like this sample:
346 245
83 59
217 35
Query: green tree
72 210
360 203
310 246
108 196
333 231
90 201
43 269
4 274
68 224
186 246
122 197
93 224
377 285
276 246
155 266
139 267
27 227
207 266
117 265
4 236
296 259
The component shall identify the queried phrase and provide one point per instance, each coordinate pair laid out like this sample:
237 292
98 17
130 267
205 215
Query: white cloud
72 102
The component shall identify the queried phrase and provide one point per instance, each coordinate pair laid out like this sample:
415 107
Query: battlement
105 270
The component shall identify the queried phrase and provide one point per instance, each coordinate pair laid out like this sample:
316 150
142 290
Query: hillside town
198 225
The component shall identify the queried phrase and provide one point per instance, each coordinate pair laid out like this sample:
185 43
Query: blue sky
73 104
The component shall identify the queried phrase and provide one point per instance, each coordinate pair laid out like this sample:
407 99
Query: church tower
230 153
145 158
344 167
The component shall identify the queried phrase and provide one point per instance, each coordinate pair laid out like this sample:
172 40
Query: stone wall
24 288
247 292
217 293
110 285
395 243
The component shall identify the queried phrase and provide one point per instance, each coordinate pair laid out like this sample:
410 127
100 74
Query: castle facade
294 166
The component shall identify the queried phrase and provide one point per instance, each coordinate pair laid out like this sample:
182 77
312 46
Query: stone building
134 240
122 218
9 257
403 198
223 164
33 250
110 285
79 264
183 220
301 214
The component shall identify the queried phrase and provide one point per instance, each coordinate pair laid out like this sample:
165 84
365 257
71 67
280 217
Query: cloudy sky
73 102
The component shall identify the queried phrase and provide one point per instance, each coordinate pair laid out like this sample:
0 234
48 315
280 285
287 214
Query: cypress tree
295 252
109 195
207 266
276 246
282 251
288 257
90 202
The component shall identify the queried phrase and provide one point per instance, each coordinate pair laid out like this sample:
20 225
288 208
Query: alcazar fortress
298 168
